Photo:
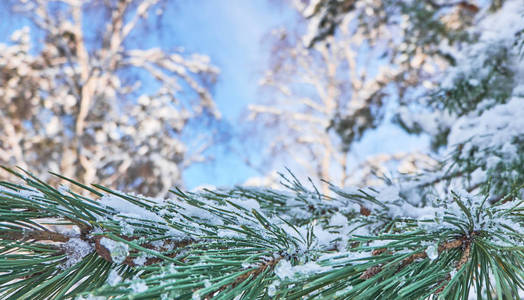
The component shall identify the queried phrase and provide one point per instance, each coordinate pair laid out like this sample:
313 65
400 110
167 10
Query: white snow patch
113 278
128 209
138 286
285 270
76 249
494 129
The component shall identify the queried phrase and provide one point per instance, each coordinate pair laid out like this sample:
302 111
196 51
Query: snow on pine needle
220 243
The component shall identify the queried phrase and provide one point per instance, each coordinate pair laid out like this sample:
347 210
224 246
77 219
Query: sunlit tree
78 97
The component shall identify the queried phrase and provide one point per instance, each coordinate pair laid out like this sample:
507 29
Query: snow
272 288
196 296
76 249
207 283
32 194
504 24
476 66
113 278
494 129
284 270
141 260
497 31
312 8
355 257
249 204
138 286
478 176
323 236
227 233
406 210
491 126
429 122
342 224
388 193
128 209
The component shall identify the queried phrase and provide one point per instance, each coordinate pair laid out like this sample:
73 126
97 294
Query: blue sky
232 36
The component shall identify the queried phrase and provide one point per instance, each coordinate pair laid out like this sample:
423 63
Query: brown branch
46 235
370 272
465 256
450 245
39 235
463 259
262 267
378 251
364 211
412 258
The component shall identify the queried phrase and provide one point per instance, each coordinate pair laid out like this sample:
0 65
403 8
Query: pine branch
252 243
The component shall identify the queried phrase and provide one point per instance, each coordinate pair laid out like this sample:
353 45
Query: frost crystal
272 288
284 269
119 251
432 252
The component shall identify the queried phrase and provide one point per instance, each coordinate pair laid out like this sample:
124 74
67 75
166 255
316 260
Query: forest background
239 46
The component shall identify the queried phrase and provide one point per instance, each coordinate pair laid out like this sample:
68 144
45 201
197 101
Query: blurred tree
331 80
82 101
474 85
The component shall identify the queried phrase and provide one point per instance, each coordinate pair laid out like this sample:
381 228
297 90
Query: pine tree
453 232
336 75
